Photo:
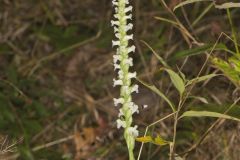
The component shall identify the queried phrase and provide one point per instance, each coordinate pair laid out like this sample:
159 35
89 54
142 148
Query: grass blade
227 5
176 80
158 92
200 79
207 114
188 2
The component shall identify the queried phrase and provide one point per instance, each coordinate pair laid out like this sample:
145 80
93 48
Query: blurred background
56 77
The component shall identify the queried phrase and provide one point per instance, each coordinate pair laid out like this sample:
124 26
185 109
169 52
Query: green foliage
207 114
230 69
157 140
177 81
200 50
158 92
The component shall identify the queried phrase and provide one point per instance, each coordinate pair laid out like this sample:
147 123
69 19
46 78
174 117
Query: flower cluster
122 63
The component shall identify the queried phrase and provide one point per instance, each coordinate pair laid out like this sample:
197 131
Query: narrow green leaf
227 5
188 2
230 68
200 50
144 139
207 114
148 139
200 79
167 20
158 57
176 80
160 141
158 92
202 99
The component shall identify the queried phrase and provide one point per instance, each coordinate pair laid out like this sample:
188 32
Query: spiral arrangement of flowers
122 63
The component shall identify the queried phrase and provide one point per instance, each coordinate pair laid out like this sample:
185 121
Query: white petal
120 74
117 82
121 123
129 8
115 43
115 23
132 75
117 35
129 37
145 106
128 17
120 113
116 66
118 101
134 109
115 3
134 88
128 27
133 131
128 61
115 29
131 49
116 58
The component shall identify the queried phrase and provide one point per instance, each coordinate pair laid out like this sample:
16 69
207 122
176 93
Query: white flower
115 3
128 61
117 82
120 74
118 101
116 30
134 108
127 1
116 58
116 66
128 27
128 9
115 43
134 88
132 75
128 17
128 37
115 23
121 123
120 112
131 49
117 35
145 106
133 131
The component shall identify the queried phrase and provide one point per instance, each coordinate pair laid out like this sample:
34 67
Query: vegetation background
56 78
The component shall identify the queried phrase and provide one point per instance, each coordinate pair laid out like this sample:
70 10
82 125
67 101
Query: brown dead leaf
83 143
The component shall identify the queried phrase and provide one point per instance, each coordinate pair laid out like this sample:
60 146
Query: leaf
144 139
167 20
235 111
207 114
188 2
202 99
159 141
227 5
158 92
148 139
176 80
158 57
230 69
200 50
200 79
